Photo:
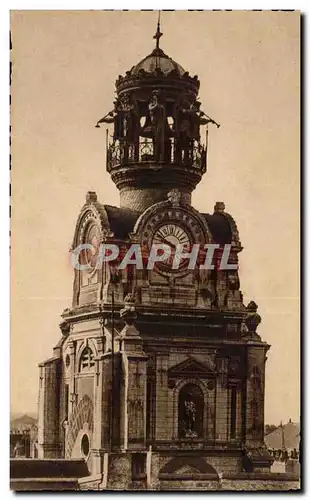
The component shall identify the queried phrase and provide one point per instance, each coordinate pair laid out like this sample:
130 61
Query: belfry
158 378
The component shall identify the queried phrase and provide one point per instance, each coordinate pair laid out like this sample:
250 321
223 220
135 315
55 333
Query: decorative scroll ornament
174 197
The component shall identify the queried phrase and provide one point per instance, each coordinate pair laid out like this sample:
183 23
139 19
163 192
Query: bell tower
159 134
159 377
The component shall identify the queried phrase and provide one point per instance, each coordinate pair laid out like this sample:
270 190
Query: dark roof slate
121 220
219 227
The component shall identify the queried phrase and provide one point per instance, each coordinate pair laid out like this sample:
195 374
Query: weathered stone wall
189 485
272 484
48 436
119 472
255 391
230 485
223 463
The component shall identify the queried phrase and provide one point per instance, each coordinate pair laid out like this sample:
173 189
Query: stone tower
158 378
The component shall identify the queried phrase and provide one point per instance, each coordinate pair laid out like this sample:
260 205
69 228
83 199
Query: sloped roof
121 220
291 432
219 228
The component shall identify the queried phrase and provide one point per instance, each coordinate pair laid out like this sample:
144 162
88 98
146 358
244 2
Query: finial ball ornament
219 206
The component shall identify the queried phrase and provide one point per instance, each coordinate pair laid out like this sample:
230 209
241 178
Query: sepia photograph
155 250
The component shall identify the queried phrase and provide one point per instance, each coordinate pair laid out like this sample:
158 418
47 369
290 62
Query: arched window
190 411
170 121
87 362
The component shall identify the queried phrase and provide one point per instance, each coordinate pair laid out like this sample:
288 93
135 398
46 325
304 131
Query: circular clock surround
173 226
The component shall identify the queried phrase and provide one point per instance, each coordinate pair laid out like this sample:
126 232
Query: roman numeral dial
172 235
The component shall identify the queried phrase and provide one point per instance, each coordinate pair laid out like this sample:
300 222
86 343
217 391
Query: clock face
171 234
172 226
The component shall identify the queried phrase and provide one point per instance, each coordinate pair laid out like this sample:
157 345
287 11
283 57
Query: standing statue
130 119
186 128
114 117
191 122
158 123
188 120
190 418
125 118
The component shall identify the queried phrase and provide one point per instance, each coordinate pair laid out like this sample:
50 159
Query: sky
65 64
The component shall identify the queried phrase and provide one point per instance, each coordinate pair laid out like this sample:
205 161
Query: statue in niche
158 123
191 411
190 418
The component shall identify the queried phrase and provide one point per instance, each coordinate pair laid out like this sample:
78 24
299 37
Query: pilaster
72 396
133 395
161 429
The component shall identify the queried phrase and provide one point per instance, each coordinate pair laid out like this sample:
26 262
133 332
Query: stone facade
158 379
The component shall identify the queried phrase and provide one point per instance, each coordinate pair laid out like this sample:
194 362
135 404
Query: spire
282 437
158 33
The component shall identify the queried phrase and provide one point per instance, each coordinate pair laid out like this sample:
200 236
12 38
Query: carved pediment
191 368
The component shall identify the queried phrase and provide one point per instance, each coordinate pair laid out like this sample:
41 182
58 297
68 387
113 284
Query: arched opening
67 361
87 361
170 121
197 464
142 121
85 445
190 412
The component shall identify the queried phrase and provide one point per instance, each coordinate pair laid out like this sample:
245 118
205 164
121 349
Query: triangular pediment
192 367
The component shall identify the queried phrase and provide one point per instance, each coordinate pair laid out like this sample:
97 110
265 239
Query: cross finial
158 33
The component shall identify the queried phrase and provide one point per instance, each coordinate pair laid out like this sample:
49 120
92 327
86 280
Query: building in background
283 444
23 437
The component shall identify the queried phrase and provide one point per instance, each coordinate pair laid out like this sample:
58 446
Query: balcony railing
121 153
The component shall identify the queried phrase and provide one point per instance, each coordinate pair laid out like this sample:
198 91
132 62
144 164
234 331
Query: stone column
255 379
98 445
72 395
134 382
221 410
255 389
48 424
257 456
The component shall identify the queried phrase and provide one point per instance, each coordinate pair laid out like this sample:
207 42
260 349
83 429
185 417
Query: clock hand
163 240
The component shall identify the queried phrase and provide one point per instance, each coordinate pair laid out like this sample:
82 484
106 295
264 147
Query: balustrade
145 151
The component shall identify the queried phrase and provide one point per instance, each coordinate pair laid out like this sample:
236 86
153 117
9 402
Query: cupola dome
155 61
